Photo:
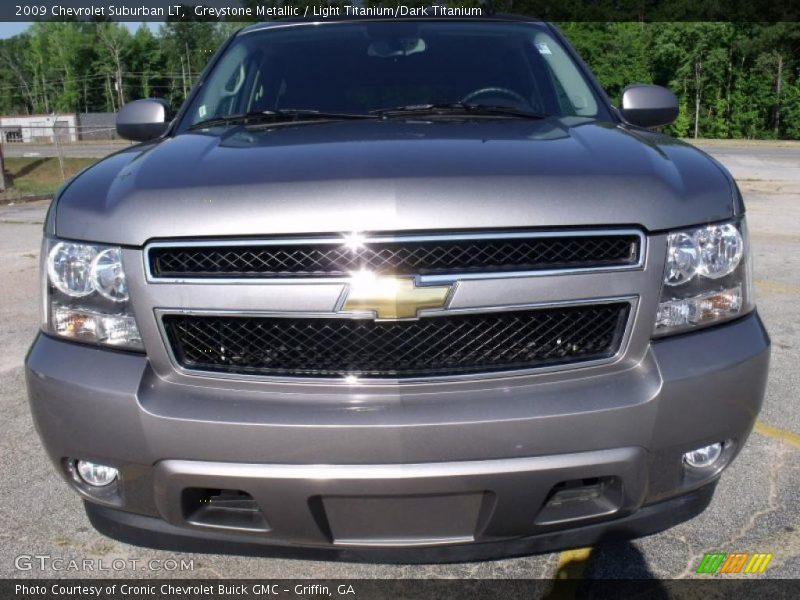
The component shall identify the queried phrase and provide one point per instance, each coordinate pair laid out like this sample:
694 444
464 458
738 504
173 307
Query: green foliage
617 51
733 80
791 116
85 67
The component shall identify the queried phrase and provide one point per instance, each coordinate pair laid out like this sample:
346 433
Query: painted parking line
569 573
781 288
572 563
776 433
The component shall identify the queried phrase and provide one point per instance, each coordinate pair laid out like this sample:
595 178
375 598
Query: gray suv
404 290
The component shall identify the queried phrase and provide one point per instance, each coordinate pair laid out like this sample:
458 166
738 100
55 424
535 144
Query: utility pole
698 68
2 163
183 77
110 93
120 87
778 96
57 140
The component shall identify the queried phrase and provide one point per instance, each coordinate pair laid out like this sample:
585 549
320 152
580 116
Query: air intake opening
581 499
229 509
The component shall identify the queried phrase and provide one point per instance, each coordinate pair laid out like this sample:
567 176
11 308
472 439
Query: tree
146 62
115 38
187 46
18 95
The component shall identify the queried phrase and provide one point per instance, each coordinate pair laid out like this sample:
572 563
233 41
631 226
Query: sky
8 29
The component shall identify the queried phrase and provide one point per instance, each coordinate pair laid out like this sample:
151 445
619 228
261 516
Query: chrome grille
447 344
404 255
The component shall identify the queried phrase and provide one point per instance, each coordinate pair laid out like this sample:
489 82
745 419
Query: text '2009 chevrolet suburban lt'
409 289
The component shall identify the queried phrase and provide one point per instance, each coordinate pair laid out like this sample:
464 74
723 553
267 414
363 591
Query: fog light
703 457
96 475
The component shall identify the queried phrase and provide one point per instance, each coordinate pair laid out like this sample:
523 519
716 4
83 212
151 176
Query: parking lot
756 507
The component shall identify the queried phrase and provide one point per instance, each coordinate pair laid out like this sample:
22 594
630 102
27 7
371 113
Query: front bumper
438 476
153 532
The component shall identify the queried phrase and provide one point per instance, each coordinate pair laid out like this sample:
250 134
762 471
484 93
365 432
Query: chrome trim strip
172 469
253 529
632 300
402 542
421 279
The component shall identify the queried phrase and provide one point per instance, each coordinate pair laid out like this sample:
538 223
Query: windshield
364 67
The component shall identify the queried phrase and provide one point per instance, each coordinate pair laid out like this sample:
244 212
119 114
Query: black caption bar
258 10
379 589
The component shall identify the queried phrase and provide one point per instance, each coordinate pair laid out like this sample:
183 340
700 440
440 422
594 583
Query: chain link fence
60 132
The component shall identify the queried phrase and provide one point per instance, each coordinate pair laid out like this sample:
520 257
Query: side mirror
648 105
143 120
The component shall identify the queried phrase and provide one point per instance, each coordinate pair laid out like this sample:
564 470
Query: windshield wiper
279 116
458 108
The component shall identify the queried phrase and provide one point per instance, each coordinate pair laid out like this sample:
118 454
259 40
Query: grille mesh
429 346
395 257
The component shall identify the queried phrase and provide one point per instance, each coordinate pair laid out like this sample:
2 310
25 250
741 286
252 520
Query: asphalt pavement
756 507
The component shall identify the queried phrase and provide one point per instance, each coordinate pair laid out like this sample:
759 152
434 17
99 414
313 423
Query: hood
391 175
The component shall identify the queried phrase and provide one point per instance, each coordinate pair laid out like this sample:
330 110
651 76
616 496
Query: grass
38 176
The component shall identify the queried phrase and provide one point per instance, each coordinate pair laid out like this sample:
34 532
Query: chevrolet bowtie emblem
392 298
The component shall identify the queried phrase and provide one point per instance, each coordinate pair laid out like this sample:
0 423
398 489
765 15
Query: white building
39 128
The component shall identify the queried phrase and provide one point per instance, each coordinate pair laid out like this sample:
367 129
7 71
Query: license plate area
414 520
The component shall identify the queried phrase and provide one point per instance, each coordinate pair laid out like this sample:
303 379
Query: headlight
682 259
108 278
706 278
69 267
720 249
86 295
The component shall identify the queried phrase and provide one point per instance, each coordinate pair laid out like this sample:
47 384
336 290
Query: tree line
99 66
733 80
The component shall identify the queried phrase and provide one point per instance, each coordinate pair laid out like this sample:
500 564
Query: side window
564 101
220 95
256 92
230 92
580 100
265 74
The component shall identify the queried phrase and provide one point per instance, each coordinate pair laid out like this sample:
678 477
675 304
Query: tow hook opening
223 508
581 499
